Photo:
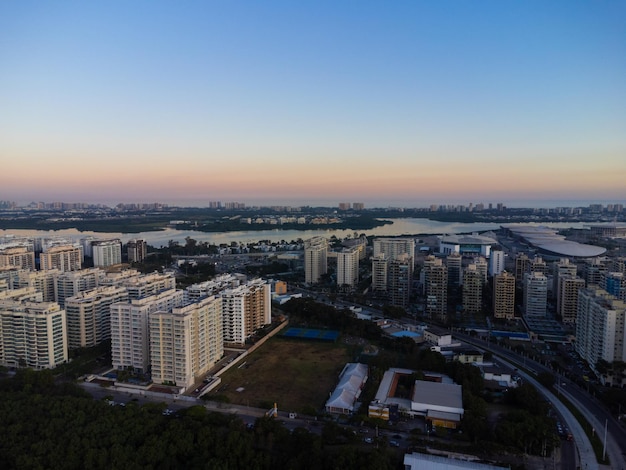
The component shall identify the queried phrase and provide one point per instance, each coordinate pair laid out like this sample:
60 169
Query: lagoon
160 238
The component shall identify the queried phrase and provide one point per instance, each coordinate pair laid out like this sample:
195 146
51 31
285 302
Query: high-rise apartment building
19 257
615 284
538 265
436 279
482 267
136 250
70 283
394 247
62 257
379 273
348 267
535 294
400 277
245 309
106 252
472 290
42 281
600 329
89 315
504 295
522 266
186 342
130 336
144 285
33 334
315 259
496 262
562 268
593 272
567 300
455 270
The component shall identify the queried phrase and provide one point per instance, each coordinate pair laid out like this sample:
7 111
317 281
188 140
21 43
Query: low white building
347 392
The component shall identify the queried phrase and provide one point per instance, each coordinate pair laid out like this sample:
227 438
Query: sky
288 102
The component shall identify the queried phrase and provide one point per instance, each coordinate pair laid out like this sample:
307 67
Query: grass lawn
296 374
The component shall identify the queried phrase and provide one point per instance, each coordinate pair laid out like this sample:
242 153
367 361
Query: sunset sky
390 103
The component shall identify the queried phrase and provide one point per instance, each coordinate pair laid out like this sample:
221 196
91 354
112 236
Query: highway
597 415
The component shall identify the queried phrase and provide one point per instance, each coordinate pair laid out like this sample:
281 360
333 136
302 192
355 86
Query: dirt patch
295 374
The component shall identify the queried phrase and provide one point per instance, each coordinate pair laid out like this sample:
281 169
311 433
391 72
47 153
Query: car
394 443
368 440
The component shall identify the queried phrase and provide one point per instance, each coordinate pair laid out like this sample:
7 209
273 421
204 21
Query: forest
48 425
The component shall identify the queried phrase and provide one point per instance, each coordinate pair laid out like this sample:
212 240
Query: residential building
567 302
186 342
504 295
89 315
106 252
70 283
455 270
535 294
136 250
245 309
42 281
472 290
33 334
348 267
315 259
400 277
522 266
62 257
379 273
130 337
562 268
436 278
394 247
496 262
600 328
19 257
615 284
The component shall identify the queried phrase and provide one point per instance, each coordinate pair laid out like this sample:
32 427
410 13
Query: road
591 408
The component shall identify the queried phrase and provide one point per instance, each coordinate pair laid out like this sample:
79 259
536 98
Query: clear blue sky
324 101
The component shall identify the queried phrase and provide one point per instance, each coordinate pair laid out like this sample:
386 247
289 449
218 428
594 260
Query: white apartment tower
186 342
535 294
496 262
245 309
68 284
600 328
348 267
106 252
32 334
394 247
130 338
315 259
89 315
42 281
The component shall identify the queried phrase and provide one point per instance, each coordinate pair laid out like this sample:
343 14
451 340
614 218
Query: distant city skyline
390 104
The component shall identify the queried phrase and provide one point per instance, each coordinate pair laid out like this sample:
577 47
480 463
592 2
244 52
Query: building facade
32 334
186 342
315 259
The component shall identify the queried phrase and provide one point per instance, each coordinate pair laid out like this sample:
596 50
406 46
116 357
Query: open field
295 374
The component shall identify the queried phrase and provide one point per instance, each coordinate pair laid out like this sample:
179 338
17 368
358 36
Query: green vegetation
45 425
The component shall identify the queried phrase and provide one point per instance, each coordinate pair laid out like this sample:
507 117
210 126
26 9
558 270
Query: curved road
590 407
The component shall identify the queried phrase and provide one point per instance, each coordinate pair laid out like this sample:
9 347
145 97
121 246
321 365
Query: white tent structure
351 381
